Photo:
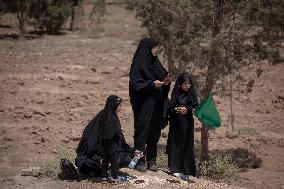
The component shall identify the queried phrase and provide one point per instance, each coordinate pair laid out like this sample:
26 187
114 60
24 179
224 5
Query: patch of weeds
274 129
162 159
250 85
248 131
219 168
92 32
51 167
244 158
275 56
259 72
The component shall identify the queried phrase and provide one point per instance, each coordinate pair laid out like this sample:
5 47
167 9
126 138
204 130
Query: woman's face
185 86
118 109
154 51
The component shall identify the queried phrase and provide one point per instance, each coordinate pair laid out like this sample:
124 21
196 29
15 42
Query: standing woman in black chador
148 90
180 144
103 144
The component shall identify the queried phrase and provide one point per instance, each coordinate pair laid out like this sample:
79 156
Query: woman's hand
158 83
138 153
168 80
182 110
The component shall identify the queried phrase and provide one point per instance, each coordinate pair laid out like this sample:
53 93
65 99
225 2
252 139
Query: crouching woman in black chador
180 144
103 144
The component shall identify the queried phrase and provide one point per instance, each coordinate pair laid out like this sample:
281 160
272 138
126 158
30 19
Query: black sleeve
166 89
171 110
111 145
142 85
97 157
193 101
124 146
138 82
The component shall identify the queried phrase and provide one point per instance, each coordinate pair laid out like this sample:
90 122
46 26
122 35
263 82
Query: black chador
180 144
148 103
102 143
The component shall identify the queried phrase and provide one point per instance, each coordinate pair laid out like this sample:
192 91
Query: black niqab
105 125
181 97
144 64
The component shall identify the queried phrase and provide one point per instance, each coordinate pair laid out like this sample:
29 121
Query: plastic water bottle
136 158
123 178
133 162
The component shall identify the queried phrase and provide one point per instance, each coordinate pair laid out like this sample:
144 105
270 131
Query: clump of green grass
51 167
248 131
218 167
162 159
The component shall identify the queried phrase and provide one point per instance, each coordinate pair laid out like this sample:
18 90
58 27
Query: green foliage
12 5
218 168
45 14
51 167
20 8
3 6
267 14
99 8
51 14
220 36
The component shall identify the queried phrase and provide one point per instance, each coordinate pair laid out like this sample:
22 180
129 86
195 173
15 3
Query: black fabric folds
149 104
103 140
104 126
145 66
180 144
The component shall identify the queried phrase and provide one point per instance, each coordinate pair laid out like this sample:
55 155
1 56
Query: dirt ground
51 86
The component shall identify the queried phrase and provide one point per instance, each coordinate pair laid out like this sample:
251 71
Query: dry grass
218 168
51 167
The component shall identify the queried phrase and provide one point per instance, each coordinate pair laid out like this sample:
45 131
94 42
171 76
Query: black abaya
180 144
102 139
148 102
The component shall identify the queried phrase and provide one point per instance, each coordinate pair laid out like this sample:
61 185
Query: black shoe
140 167
152 166
119 179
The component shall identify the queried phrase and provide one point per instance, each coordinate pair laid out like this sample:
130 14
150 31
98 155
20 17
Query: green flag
207 113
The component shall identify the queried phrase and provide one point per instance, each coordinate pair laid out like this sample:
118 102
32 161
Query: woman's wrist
176 109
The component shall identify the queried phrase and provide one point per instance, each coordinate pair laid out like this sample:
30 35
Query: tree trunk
22 24
232 117
75 15
22 16
72 22
171 63
204 130
204 144
210 79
